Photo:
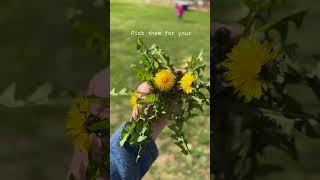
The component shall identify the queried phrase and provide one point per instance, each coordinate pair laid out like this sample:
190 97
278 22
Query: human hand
145 89
98 86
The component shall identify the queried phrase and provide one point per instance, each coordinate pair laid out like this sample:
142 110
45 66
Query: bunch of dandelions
80 125
251 81
176 95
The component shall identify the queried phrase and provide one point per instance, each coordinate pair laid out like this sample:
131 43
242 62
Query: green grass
127 16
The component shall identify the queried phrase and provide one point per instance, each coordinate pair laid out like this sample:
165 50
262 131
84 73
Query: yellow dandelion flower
186 83
244 65
164 80
134 100
76 124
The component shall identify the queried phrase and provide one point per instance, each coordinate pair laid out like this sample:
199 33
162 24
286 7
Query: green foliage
102 125
175 165
39 97
282 25
275 119
121 92
174 105
7 98
178 135
98 156
149 99
93 37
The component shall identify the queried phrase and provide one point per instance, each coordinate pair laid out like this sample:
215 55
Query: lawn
308 166
127 16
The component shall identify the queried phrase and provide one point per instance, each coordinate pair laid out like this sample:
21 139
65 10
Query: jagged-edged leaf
41 95
200 56
286 124
7 98
142 138
122 92
178 136
101 125
281 25
149 99
113 92
140 46
145 61
199 68
182 148
140 152
126 132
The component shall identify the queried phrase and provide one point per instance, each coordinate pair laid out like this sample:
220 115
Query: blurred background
308 166
41 54
157 15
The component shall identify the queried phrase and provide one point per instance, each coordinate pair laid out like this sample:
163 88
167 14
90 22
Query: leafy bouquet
90 132
253 107
176 94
